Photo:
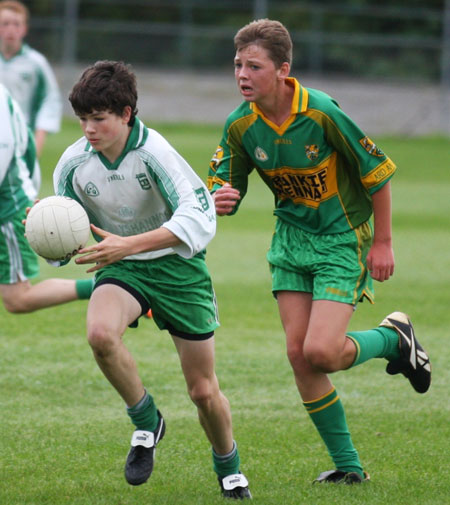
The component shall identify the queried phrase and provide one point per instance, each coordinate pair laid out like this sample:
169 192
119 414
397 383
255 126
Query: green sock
84 288
226 464
327 414
380 342
144 414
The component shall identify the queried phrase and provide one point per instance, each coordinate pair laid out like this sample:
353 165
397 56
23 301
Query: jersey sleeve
49 103
230 163
17 142
193 218
62 185
65 169
7 135
369 162
32 162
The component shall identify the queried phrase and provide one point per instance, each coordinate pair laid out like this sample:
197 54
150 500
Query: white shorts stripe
16 271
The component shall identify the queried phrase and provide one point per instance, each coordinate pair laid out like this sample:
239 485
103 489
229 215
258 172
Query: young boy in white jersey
27 74
18 262
152 217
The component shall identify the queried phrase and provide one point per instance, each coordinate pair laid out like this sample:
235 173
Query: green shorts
179 291
18 262
331 267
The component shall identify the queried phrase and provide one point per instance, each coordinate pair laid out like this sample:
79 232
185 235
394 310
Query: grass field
64 431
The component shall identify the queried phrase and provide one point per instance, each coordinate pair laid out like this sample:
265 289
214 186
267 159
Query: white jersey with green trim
32 83
17 159
150 185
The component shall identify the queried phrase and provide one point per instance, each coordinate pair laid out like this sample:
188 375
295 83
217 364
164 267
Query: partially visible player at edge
18 262
328 178
27 74
152 217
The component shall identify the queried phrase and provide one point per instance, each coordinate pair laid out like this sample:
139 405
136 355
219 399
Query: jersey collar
299 104
23 48
301 95
138 136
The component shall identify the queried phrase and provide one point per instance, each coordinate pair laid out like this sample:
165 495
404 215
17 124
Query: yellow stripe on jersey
329 126
363 234
214 180
240 126
235 133
380 173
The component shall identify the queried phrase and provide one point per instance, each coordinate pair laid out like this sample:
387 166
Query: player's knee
17 306
321 358
101 340
295 355
201 394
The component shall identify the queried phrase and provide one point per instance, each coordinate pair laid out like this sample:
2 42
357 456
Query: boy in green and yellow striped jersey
328 179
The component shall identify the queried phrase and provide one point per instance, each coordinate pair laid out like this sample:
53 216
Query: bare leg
316 340
111 309
317 345
295 311
197 363
23 297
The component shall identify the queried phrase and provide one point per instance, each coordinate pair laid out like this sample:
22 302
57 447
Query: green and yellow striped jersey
320 166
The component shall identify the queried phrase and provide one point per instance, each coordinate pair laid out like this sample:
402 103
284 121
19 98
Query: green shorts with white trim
18 262
179 291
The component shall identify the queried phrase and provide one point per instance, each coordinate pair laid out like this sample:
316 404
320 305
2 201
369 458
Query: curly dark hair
105 86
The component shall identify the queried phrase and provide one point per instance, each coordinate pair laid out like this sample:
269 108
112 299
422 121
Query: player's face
256 75
107 132
13 29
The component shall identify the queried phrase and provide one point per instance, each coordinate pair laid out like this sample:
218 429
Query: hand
225 199
111 249
380 261
27 211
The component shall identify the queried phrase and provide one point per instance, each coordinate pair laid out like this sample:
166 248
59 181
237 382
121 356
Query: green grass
64 432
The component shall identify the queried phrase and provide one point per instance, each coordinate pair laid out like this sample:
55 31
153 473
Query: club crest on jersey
26 76
371 147
126 212
216 159
91 189
260 154
312 152
143 181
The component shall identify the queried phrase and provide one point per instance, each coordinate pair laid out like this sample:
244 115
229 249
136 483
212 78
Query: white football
56 227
